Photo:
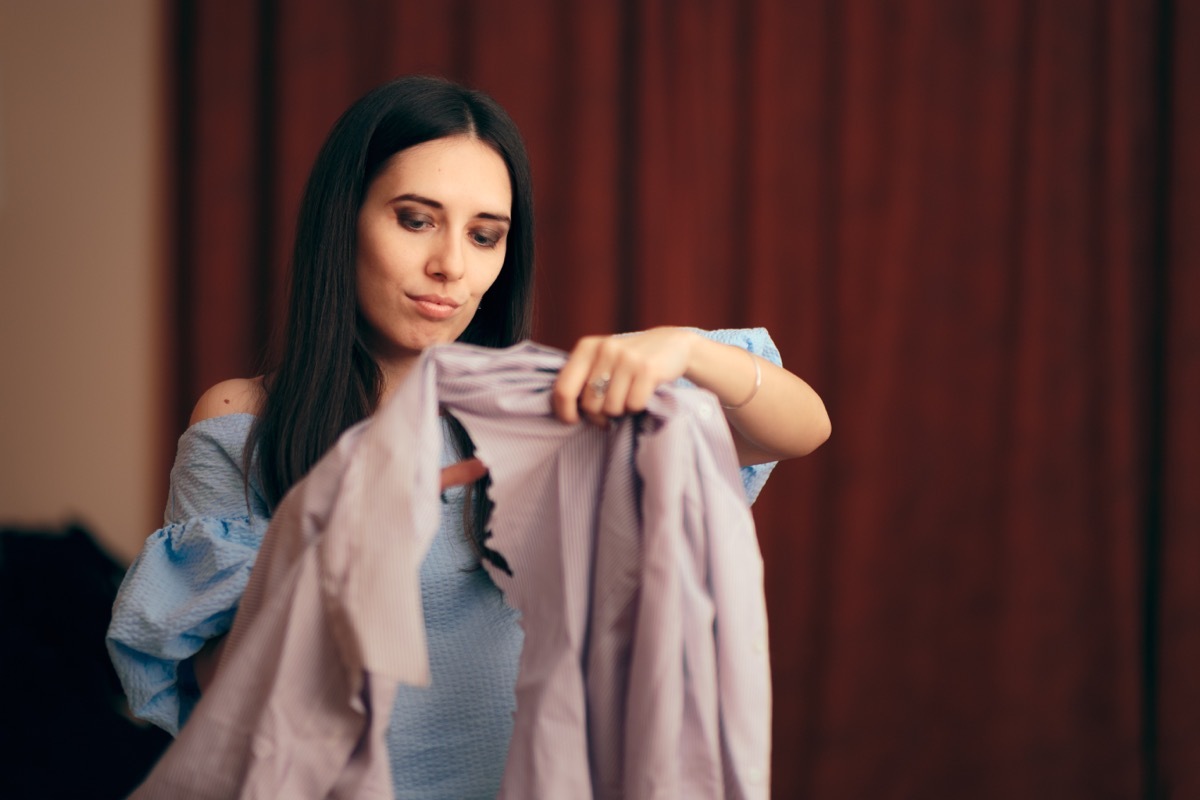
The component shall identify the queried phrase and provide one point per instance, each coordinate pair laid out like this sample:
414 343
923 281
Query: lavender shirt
644 671
186 584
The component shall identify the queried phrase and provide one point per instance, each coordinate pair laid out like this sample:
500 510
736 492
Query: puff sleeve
185 585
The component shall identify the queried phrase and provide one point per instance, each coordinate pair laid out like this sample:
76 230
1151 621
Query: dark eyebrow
416 198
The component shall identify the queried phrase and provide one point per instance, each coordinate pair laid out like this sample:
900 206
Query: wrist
698 355
732 373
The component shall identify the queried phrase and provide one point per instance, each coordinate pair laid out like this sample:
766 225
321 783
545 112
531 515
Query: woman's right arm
204 663
184 587
227 397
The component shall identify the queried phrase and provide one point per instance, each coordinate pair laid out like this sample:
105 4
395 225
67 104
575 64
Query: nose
447 260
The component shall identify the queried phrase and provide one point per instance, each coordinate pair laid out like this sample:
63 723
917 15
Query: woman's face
432 233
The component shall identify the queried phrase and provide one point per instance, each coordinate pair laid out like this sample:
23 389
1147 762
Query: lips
434 306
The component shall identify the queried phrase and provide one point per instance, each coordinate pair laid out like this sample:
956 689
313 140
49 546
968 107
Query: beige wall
80 264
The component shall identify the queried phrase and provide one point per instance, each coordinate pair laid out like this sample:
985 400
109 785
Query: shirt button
755 775
705 412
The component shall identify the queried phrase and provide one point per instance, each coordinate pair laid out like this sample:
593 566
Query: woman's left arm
774 418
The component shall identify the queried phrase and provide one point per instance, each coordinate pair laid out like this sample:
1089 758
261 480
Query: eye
486 237
414 222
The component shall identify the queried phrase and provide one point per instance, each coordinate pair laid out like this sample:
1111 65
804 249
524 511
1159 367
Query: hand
611 376
466 471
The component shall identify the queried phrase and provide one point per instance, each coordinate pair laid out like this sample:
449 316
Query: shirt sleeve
185 585
758 342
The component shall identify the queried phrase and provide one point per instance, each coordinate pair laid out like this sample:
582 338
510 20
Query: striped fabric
634 565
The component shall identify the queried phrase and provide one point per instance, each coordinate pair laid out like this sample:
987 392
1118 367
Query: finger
595 395
571 379
599 383
466 471
639 393
616 399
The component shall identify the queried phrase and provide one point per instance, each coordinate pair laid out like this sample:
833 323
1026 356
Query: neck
394 372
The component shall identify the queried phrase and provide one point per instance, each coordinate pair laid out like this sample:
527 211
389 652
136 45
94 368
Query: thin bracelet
754 391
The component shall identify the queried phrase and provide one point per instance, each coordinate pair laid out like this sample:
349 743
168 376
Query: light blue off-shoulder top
448 740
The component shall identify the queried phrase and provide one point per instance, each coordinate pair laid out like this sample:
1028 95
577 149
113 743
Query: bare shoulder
234 396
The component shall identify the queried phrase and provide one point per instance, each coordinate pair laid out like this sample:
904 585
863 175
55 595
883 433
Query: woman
416 228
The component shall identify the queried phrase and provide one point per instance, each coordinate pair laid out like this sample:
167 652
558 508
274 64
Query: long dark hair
324 378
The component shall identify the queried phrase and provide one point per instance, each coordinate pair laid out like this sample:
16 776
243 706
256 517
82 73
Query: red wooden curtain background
970 225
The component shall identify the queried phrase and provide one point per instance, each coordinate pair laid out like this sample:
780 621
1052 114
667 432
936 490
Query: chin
418 342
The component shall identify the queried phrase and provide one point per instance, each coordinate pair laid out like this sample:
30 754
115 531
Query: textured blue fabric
185 585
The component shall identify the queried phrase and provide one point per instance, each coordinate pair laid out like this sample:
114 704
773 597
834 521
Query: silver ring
600 385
